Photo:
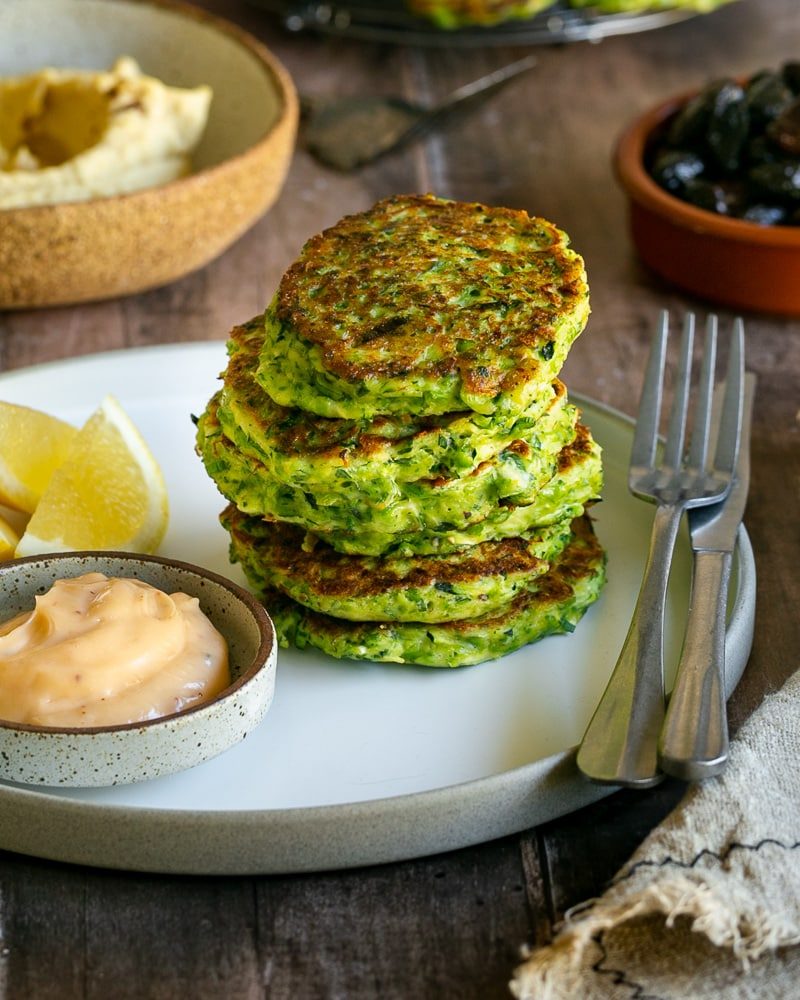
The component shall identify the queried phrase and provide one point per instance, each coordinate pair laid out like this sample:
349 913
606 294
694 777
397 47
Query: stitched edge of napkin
738 922
555 972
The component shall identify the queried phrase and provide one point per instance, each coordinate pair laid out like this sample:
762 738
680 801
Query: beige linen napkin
709 905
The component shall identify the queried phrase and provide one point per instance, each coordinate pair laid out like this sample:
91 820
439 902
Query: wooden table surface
447 926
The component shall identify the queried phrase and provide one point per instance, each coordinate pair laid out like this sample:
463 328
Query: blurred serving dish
106 754
109 246
559 21
734 261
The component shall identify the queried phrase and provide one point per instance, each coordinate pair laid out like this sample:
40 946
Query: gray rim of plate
320 838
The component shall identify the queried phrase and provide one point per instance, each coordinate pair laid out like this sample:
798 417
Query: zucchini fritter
375 457
426 504
465 13
577 483
471 581
426 306
554 603
452 14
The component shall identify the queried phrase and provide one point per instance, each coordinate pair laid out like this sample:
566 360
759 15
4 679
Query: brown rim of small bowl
264 622
289 112
640 186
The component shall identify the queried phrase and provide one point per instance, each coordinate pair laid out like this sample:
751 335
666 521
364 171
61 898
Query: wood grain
449 926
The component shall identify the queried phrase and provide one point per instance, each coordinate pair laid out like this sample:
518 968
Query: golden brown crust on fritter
421 285
581 559
579 448
330 573
575 562
296 432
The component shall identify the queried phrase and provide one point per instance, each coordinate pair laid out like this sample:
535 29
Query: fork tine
643 451
698 453
676 432
733 403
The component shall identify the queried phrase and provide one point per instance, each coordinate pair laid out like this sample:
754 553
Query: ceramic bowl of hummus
117 668
138 140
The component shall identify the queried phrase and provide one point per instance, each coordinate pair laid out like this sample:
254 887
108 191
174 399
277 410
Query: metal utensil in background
694 738
346 133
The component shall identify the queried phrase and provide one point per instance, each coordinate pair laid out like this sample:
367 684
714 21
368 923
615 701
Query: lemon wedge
32 446
9 539
109 493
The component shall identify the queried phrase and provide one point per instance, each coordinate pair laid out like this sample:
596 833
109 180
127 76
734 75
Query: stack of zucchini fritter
406 475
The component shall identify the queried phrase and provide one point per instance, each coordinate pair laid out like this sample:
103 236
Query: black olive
689 126
728 125
766 98
735 150
707 195
765 215
758 75
785 130
777 180
674 167
761 149
791 74
736 195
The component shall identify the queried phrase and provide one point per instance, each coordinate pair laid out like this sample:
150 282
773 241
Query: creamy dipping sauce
102 651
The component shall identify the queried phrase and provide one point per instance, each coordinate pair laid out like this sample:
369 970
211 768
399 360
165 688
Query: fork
349 132
619 745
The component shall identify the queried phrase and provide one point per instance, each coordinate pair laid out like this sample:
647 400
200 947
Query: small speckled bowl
731 261
107 247
114 755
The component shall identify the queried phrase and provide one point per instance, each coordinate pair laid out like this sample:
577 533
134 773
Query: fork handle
694 740
619 746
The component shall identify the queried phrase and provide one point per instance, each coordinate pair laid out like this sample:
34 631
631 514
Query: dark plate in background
389 21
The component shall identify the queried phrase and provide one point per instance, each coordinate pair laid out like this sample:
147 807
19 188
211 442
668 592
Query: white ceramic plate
355 763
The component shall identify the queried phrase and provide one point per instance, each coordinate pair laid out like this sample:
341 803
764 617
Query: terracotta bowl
736 263
114 755
116 246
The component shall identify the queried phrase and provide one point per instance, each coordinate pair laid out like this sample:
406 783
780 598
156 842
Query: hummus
73 135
